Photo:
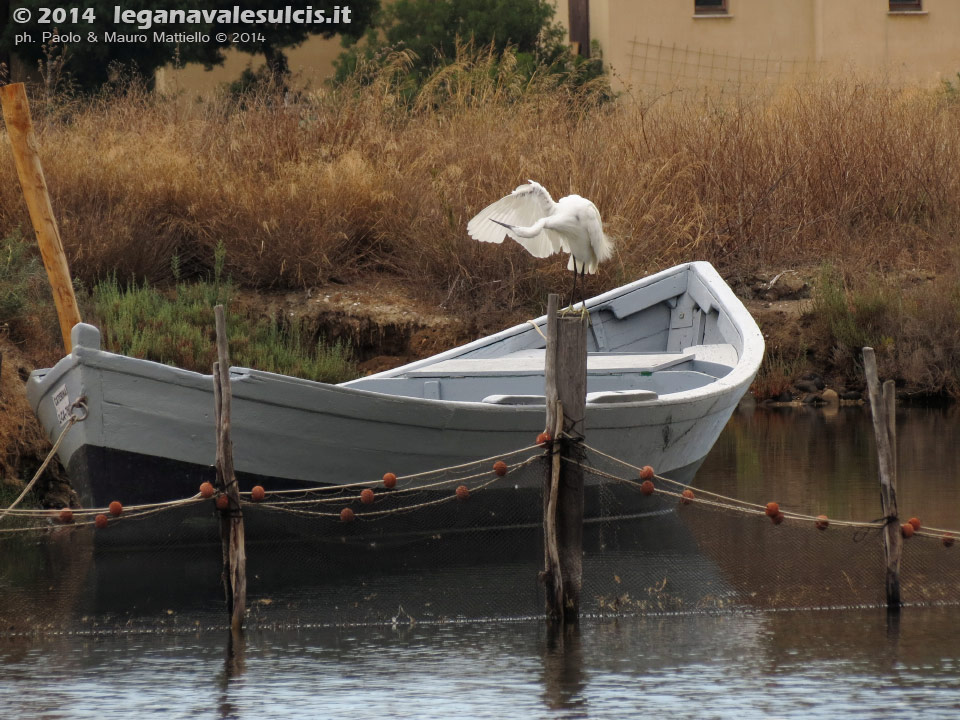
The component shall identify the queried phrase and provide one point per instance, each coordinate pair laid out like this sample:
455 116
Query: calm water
798 663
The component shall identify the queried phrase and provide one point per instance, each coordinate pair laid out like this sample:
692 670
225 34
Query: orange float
101 521
116 508
823 522
258 493
347 515
907 530
463 492
773 509
366 496
500 468
646 473
687 496
647 488
389 481
206 490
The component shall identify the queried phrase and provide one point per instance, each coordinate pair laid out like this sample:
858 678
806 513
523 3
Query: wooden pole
883 410
23 140
566 391
231 519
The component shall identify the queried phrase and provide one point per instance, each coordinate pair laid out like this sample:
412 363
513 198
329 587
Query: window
905 5
709 7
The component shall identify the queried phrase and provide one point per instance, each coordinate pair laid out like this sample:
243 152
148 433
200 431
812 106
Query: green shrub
177 328
866 316
19 265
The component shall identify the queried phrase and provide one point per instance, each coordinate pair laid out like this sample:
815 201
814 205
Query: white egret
544 227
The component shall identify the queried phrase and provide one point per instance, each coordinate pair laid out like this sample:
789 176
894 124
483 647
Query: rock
806 386
851 395
830 397
815 378
785 396
791 286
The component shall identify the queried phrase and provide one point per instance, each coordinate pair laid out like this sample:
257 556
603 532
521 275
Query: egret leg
583 300
573 290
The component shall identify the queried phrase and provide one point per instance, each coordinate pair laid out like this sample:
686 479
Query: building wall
311 63
662 44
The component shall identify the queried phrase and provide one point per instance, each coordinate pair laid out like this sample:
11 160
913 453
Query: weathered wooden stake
566 394
16 114
231 519
883 410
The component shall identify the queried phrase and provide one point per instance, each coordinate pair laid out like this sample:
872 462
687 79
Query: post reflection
564 678
234 665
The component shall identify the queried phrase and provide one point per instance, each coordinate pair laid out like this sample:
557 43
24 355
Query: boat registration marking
61 403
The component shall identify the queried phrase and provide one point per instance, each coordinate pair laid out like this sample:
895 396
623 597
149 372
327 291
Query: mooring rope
74 419
537 328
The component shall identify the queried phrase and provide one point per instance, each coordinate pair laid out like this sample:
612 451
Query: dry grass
371 178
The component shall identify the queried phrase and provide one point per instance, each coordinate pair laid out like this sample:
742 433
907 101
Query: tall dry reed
373 177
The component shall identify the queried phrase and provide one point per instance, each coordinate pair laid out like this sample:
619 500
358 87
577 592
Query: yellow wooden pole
16 115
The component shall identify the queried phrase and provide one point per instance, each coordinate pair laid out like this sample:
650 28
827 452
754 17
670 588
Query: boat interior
646 342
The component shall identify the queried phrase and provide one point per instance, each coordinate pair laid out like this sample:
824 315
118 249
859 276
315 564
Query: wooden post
883 410
231 519
566 393
16 114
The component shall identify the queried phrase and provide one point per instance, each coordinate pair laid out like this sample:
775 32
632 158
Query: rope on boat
74 419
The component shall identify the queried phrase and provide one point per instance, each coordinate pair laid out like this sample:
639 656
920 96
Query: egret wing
522 208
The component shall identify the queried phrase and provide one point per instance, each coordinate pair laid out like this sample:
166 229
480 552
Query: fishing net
449 545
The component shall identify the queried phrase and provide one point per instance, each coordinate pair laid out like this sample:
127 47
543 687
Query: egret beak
508 227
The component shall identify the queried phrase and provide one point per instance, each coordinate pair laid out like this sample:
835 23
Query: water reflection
234 665
816 462
564 675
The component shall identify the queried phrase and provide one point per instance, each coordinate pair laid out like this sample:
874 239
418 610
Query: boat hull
148 434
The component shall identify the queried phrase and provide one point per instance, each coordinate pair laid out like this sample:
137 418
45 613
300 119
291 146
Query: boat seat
616 397
515 400
597 364
613 397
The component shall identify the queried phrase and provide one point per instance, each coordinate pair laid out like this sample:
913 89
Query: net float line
393 493
406 478
374 514
722 501
44 514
